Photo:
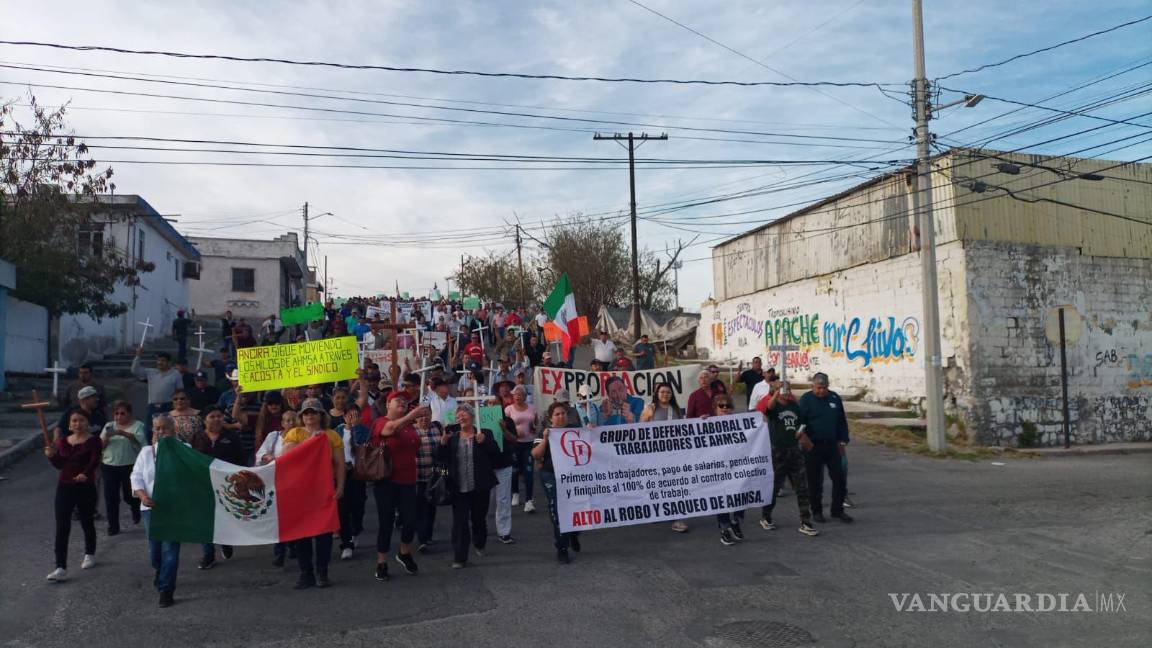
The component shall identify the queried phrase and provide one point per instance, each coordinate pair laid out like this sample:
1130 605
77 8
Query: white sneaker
59 575
515 499
346 554
89 562
529 507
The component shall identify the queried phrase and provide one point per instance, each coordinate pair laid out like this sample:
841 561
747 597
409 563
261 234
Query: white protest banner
383 357
438 339
372 312
619 475
549 380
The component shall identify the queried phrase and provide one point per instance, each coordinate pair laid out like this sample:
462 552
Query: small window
140 244
90 239
176 269
243 280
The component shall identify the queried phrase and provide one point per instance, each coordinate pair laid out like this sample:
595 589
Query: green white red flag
564 324
205 500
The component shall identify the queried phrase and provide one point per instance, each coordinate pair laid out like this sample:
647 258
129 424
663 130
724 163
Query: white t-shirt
273 445
758 392
541 320
604 351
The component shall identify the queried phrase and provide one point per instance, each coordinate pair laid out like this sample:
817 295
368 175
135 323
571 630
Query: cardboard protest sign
454 295
471 303
302 314
372 312
619 475
438 339
294 365
383 357
549 380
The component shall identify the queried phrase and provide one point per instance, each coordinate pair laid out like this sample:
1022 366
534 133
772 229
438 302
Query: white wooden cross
783 350
199 348
147 324
422 371
480 329
56 370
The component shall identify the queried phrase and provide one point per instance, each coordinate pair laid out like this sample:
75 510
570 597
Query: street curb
1084 451
20 450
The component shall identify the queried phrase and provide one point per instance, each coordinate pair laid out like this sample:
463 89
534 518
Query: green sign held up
454 295
471 303
490 417
302 314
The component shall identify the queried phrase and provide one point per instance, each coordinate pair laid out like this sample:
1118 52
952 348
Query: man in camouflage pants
782 410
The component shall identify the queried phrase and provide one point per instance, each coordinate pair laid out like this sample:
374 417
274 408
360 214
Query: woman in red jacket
396 494
77 457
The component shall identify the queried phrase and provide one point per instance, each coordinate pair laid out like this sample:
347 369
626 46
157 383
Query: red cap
397 393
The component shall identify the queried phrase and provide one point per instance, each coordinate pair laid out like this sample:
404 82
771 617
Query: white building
841 280
251 278
134 228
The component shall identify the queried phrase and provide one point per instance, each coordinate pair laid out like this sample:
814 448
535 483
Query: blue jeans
164 557
525 466
561 540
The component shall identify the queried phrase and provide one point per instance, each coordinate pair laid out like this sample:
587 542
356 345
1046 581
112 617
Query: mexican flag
564 324
201 499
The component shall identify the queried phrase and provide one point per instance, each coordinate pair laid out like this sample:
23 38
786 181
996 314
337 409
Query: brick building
1018 237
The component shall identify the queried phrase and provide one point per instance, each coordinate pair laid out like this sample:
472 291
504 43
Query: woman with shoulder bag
468 453
396 494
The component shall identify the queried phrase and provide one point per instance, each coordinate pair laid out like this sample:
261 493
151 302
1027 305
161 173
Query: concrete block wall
1013 290
861 326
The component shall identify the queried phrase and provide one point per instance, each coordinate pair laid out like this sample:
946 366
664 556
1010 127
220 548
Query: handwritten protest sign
471 303
619 475
383 357
301 314
549 380
490 416
293 365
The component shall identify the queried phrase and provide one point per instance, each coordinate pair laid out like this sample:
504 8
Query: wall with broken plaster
861 326
1013 291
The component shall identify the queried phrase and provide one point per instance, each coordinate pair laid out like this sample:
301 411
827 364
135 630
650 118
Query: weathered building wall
861 326
1013 289
273 289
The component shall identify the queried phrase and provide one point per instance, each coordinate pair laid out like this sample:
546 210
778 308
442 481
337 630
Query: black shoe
381 571
737 532
113 532
819 518
322 579
408 562
166 599
278 561
306 581
208 562
562 556
506 539
726 538
574 543
423 548
227 551
843 517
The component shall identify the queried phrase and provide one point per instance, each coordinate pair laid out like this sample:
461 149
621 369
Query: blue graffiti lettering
883 340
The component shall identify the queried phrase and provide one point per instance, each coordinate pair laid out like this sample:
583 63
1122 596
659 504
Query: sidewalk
1136 447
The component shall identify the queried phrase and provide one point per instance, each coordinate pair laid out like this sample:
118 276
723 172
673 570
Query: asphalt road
923 525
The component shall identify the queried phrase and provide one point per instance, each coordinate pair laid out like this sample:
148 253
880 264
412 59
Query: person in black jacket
217 442
826 425
469 454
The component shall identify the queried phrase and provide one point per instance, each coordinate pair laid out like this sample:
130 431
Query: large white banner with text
619 475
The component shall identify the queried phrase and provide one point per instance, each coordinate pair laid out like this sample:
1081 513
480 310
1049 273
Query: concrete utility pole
305 247
922 205
520 264
631 139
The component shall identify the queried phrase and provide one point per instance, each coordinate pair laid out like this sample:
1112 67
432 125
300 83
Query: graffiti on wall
880 340
791 326
1139 370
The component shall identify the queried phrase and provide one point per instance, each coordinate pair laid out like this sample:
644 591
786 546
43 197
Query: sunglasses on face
724 405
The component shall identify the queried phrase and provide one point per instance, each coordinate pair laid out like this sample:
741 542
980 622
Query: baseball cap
87 392
200 375
562 396
398 393
547 356
313 404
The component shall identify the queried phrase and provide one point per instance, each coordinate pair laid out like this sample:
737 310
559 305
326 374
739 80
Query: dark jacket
484 457
228 446
824 417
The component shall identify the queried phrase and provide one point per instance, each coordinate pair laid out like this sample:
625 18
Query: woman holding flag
314 553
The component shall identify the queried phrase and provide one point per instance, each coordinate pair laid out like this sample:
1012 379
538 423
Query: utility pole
520 264
305 246
922 205
631 139
327 288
